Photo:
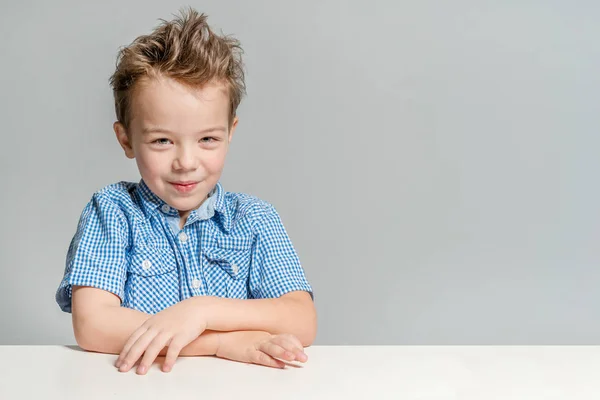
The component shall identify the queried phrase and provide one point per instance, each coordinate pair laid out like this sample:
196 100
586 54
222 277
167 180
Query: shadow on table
74 347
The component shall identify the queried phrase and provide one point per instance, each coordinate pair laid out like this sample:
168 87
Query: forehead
170 104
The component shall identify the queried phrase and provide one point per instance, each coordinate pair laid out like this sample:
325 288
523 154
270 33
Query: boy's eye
161 141
208 139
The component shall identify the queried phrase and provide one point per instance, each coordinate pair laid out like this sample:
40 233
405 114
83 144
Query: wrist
206 344
205 306
218 344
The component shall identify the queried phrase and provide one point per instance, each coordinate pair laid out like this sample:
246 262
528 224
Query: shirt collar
215 204
220 206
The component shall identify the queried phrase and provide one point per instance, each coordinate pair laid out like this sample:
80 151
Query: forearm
108 329
102 325
293 313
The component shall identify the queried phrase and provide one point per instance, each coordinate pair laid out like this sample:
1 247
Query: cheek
150 164
215 162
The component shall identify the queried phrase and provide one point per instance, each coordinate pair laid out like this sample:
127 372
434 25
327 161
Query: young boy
174 265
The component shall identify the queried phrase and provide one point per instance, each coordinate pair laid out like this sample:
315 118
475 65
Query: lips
184 186
183 183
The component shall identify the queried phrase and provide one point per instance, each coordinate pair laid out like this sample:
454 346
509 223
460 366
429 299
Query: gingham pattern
128 243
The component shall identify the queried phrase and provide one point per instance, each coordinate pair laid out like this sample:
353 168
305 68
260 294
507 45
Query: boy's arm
293 313
100 324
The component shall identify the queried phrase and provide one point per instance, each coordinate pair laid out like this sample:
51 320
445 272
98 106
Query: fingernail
123 367
142 369
289 355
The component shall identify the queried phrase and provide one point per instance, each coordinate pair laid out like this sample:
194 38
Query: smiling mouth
184 187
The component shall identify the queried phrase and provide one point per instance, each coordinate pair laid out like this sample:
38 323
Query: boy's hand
260 348
175 327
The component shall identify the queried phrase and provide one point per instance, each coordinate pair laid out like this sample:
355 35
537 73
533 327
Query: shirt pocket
153 279
227 267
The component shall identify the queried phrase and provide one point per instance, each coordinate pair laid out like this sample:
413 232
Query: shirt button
146 264
183 237
235 269
165 208
196 283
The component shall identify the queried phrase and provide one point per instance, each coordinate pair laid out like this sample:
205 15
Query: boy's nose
186 160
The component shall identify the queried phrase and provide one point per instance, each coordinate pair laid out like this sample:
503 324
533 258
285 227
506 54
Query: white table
332 372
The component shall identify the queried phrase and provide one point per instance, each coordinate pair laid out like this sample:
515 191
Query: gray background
434 162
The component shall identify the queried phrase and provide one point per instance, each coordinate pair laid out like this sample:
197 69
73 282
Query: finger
159 342
173 351
288 343
300 354
132 339
276 351
293 339
137 350
258 357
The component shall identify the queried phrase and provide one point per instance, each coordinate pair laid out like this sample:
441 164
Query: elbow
303 321
84 343
308 331
307 338
92 318
84 335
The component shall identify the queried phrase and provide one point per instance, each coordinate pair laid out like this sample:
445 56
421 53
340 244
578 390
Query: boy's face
179 137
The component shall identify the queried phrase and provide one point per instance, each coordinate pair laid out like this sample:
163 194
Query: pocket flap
234 262
152 261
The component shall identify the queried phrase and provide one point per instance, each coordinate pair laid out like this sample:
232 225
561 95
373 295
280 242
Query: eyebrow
163 130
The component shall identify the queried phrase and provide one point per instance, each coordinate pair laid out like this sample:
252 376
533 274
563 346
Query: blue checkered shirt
128 242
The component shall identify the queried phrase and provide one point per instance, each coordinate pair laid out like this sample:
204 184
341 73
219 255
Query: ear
123 139
232 128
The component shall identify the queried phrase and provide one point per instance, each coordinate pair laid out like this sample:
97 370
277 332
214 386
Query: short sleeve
97 253
275 269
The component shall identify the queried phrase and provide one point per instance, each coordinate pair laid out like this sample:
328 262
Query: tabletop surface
362 372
